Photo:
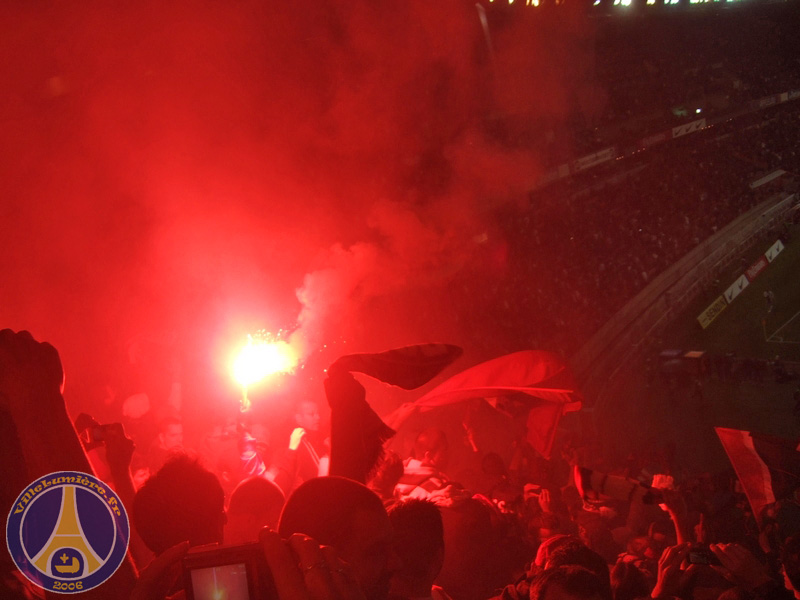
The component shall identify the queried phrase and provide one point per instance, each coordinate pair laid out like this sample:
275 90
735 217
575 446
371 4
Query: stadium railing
631 331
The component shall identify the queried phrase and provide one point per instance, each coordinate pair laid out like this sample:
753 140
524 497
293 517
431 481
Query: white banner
767 178
652 140
737 288
774 250
594 159
767 101
688 128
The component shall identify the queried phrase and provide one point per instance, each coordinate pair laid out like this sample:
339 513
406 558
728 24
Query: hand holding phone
669 570
302 569
740 565
702 555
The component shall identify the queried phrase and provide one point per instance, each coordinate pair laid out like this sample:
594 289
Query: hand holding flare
260 358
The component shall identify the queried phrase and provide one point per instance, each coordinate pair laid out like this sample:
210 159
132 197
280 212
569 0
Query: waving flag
357 433
538 380
409 367
768 467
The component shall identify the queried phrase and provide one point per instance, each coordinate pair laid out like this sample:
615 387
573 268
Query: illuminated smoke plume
193 170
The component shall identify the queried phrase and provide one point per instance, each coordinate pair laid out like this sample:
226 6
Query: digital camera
699 555
230 572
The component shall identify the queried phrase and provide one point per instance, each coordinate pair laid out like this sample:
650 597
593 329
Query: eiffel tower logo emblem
67 532
67 554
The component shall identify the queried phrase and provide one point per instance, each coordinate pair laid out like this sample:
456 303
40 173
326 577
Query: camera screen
703 557
698 558
221 582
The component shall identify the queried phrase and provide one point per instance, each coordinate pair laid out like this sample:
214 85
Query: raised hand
341 387
31 381
296 438
740 565
304 570
119 448
544 500
31 375
669 570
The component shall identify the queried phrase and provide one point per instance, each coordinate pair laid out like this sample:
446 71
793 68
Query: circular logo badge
67 532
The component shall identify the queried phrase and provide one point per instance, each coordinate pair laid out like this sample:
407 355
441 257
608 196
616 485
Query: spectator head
387 474
431 448
307 415
628 582
419 541
345 514
181 501
255 503
550 545
170 434
469 570
568 582
577 553
596 534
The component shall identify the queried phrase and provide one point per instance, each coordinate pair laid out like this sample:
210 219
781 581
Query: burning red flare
260 358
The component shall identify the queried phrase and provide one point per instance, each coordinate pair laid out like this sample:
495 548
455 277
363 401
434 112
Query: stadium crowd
745 57
567 527
588 245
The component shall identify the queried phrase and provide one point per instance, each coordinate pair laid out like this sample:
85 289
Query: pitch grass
642 413
742 325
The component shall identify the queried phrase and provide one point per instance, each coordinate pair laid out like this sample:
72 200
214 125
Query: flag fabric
593 484
409 367
539 381
768 467
542 423
535 373
357 433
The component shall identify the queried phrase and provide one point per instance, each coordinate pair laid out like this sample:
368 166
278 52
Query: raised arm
31 382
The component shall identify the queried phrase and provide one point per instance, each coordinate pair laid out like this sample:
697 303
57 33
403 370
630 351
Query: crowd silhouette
535 528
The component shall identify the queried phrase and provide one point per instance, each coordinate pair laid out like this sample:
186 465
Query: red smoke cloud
207 168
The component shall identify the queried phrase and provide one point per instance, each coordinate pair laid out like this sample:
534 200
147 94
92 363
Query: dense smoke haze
178 174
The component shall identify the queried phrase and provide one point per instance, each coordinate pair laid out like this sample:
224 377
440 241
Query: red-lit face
308 416
438 458
172 436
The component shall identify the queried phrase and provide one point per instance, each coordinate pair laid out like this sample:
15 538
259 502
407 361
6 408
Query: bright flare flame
261 358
